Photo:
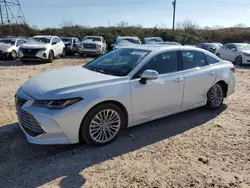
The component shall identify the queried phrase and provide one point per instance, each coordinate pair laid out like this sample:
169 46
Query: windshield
40 39
119 62
132 40
243 47
93 38
66 39
154 40
7 41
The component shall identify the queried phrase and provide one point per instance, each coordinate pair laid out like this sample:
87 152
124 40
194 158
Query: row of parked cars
46 47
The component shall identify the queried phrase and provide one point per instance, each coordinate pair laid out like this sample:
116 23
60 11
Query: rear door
161 95
199 77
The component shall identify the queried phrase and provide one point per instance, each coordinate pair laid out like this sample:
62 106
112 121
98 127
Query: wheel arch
224 86
117 103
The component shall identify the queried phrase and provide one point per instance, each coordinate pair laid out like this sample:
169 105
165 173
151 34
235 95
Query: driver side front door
161 95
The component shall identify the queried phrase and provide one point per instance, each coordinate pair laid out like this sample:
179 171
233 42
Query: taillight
233 69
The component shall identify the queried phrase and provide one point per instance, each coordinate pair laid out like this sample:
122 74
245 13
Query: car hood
34 45
4 46
246 51
59 83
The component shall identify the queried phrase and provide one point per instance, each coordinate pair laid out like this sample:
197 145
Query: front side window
119 62
57 40
192 59
163 64
20 42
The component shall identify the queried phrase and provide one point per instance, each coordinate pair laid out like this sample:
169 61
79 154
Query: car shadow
28 165
247 67
9 63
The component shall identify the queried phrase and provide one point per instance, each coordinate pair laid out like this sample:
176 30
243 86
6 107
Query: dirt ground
198 148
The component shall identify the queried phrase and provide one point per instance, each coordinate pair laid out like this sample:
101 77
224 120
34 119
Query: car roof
93 36
155 47
47 36
128 37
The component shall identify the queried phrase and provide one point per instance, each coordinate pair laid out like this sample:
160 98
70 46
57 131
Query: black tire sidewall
84 130
51 56
236 61
11 56
209 101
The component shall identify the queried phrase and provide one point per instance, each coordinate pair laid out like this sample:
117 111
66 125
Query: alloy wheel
216 95
105 125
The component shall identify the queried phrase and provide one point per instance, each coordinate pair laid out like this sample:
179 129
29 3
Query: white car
239 53
121 42
9 47
150 40
92 45
42 48
123 88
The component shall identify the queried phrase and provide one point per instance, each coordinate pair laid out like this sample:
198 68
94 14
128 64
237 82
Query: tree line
185 34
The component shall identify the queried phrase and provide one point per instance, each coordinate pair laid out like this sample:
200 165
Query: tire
51 56
63 53
89 128
218 55
238 60
215 97
13 55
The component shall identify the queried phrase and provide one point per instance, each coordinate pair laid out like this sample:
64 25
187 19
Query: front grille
30 52
89 46
27 121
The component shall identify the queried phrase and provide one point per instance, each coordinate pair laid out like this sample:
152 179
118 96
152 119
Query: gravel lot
198 148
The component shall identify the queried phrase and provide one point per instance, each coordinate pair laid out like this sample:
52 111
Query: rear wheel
215 97
102 124
238 60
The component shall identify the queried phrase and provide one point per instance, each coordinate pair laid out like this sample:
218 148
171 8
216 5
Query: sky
149 13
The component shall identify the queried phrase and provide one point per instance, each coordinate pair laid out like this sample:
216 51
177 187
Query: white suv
92 45
42 48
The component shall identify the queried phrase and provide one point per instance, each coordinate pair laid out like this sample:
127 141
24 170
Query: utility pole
174 6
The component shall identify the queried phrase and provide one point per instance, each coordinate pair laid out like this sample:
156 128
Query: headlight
246 54
56 104
98 46
43 49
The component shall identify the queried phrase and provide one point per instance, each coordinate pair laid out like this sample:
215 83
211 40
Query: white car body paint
169 94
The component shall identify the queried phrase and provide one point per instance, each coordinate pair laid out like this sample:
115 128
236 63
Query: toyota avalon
123 88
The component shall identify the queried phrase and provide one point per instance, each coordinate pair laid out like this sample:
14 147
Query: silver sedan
123 88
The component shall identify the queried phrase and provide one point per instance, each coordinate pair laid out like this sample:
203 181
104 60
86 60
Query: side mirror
54 43
149 75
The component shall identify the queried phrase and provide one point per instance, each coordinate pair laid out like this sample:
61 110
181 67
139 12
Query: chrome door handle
211 73
178 80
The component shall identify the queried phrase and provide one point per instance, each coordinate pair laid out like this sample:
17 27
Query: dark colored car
71 44
212 47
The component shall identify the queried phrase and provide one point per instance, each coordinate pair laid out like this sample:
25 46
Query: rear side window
164 63
192 59
211 60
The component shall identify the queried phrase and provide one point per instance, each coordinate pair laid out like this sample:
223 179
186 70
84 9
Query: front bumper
58 126
246 60
34 56
90 51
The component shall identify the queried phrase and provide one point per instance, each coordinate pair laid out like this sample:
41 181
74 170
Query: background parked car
42 48
169 43
125 41
239 53
92 45
9 47
150 40
71 45
212 47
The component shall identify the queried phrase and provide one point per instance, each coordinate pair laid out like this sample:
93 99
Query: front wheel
215 97
13 55
238 60
102 124
63 53
51 56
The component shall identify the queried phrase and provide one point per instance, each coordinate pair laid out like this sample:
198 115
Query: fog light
44 54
